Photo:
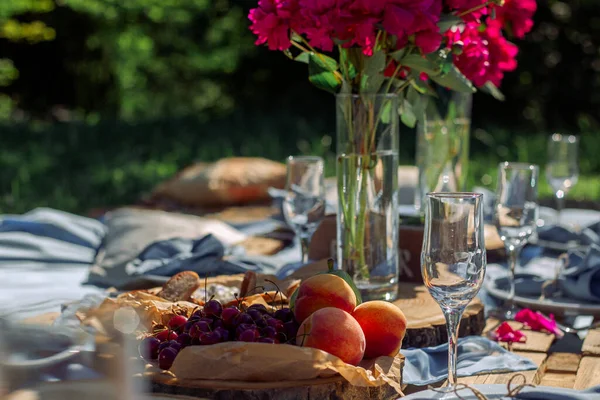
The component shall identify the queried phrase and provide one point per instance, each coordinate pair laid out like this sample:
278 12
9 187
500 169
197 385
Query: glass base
505 313
450 392
377 291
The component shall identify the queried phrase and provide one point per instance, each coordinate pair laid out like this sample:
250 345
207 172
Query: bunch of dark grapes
214 324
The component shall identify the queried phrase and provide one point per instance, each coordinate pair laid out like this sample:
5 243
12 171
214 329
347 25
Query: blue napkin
581 278
558 394
476 355
563 234
169 257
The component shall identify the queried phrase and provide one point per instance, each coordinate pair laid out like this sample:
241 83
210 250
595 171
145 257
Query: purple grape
213 308
269 332
225 335
243 318
198 314
184 339
163 345
188 325
290 330
148 348
248 335
195 341
266 340
175 345
217 323
261 323
198 328
243 327
275 323
213 337
166 358
255 314
284 314
259 307
229 315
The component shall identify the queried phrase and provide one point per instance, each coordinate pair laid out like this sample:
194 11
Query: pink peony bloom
271 22
538 322
502 53
518 14
505 333
486 54
474 61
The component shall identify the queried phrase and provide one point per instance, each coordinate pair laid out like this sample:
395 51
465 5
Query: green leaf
423 87
386 112
372 75
454 80
447 21
398 54
346 63
490 88
407 114
321 70
421 64
302 57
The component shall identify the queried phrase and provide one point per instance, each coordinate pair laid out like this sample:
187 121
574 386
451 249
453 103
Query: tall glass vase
443 144
367 176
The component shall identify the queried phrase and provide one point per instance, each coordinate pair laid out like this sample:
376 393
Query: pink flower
271 22
474 61
538 322
486 54
404 18
505 333
518 15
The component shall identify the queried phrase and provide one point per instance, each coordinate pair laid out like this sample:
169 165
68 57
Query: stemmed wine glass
304 202
515 215
562 169
453 259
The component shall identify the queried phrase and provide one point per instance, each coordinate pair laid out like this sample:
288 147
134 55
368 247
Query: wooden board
426 323
326 388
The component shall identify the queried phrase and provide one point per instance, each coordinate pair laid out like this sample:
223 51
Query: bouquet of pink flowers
393 44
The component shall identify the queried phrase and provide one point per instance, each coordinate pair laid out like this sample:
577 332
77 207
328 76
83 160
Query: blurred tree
166 57
15 27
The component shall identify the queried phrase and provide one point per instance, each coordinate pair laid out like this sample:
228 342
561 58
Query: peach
320 291
335 332
384 326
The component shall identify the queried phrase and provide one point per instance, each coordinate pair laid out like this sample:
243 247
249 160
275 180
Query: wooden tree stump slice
426 323
325 388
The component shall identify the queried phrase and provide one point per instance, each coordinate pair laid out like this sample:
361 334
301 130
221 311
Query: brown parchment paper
263 362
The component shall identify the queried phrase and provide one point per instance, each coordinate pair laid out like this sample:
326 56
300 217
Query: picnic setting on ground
172 228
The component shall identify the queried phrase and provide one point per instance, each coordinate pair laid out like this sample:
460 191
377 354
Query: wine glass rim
455 195
518 165
562 137
305 158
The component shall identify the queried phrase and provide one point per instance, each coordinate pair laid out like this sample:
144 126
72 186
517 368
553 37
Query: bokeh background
102 99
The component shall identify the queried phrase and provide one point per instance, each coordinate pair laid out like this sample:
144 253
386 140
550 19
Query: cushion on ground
236 180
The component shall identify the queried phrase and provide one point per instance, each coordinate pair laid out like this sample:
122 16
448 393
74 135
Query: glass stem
453 317
513 258
560 204
304 241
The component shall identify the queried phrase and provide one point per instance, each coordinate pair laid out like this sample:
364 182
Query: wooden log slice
326 388
426 323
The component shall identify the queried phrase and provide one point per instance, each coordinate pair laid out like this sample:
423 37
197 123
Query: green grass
79 166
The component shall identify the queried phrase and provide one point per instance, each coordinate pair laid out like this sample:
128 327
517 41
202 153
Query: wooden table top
556 367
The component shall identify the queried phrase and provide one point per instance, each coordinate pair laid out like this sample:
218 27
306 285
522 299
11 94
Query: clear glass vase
443 144
367 175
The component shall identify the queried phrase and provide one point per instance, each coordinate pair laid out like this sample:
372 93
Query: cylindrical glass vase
367 176
443 145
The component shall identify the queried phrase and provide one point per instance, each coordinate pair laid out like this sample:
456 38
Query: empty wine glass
304 202
562 168
453 259
515 215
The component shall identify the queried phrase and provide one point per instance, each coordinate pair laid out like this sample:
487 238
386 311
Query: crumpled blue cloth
592 393
169 257
476 355
562 234
581 278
